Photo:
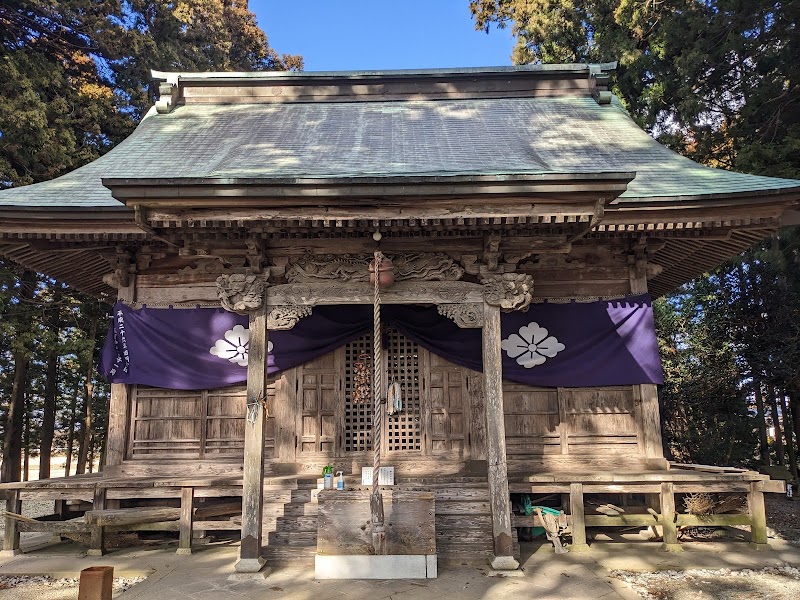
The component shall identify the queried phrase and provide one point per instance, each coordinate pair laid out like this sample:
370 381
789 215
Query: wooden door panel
449 406
319 382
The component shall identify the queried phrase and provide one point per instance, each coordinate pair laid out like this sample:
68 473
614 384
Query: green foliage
705 415
717 80
74 81
75 74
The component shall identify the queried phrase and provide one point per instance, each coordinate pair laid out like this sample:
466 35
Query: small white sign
385 476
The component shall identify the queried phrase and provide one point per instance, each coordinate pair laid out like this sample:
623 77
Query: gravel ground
783 517
781 583
774 583
47 588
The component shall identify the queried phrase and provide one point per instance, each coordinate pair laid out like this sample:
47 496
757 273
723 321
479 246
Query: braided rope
377 380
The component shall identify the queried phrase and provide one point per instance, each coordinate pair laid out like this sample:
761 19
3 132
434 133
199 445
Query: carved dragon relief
287 316
509 291
355 268
240 293
466 316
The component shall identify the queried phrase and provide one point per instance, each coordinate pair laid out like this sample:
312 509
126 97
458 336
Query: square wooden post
250 559
758 516
97 542
576 509
187 517
117 424
499 497
119 405
96 583
668 519
11 537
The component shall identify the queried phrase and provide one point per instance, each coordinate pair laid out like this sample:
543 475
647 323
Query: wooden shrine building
498 194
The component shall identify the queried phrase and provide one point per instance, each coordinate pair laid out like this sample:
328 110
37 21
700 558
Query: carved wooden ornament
286 317
466 316
509 291
240 293
315 268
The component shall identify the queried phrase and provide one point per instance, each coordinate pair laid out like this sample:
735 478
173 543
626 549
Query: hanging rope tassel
376 500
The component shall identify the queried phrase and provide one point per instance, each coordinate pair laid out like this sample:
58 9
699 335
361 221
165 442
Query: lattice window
402 366
401 430
357 417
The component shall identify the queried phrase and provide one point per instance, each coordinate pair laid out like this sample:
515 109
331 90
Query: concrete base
95 552
504 563
675 548
183 551
579 548
257 576
249 565
760 547
505 573
393 566
9 553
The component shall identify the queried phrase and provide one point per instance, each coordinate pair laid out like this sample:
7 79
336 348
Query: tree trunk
776 423
86 426
794 409
73 406
83 435
15 418
761 421
50 390
26 441
788 431
91 452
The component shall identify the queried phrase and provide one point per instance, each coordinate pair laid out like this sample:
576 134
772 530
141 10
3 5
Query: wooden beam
402 292
503 546
453 209
250 559
130 516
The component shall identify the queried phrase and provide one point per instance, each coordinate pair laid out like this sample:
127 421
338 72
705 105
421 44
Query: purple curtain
570 345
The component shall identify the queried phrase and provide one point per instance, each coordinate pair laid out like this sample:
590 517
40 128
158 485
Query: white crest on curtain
235 346
532 346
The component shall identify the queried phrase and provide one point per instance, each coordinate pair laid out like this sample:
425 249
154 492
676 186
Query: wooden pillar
187 506
650 422
758 516
97 542
11 537
576 509
668 519
117 424
250 559
499 497
118 408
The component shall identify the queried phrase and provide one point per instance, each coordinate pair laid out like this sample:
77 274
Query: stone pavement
204 575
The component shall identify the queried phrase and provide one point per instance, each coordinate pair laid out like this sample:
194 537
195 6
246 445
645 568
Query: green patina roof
505 136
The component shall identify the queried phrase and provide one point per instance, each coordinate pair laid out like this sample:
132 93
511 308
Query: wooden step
295 539
302 556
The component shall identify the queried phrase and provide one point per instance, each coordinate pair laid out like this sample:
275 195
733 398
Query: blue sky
381 34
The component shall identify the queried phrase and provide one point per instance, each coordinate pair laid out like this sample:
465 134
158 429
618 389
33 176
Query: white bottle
340 481
328 481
